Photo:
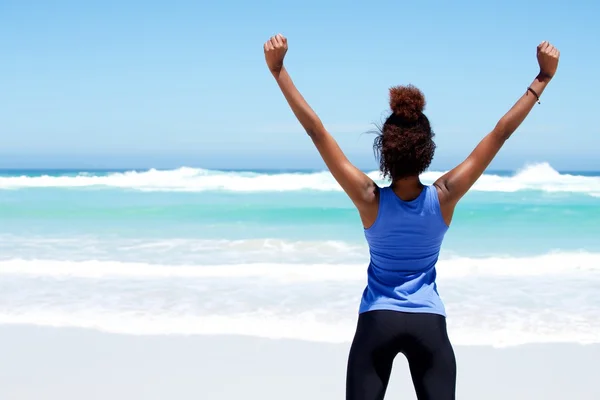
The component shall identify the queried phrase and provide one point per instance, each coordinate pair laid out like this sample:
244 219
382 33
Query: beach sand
69 364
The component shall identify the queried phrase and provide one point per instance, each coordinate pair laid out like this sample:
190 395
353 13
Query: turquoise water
524 222
282 253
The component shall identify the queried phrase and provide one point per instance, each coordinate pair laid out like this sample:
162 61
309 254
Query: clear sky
170 83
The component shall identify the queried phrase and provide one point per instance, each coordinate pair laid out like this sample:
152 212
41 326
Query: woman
404 224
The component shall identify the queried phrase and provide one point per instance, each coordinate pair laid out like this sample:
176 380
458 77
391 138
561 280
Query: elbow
312 133
503 131
315 131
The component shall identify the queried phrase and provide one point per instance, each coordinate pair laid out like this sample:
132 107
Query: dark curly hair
404 144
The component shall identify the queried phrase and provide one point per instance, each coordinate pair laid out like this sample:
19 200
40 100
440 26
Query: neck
407 189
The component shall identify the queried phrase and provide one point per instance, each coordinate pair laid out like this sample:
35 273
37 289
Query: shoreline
74 363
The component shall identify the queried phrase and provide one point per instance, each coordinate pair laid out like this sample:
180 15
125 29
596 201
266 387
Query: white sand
65 364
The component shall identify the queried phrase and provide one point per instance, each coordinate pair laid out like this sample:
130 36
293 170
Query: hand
547 56
275 49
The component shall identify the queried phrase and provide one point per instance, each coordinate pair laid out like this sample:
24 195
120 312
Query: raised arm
359 187
453 185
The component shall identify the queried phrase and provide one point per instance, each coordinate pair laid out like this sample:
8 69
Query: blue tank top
404 244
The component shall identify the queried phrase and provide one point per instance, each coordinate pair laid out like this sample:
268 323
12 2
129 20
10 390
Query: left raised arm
358 186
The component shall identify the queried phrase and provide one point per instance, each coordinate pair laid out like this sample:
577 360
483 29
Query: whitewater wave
181 251
541 177
558 263
498 301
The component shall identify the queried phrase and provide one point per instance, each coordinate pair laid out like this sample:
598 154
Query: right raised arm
358 186
453 185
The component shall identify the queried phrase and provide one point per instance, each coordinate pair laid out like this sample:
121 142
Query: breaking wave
540 177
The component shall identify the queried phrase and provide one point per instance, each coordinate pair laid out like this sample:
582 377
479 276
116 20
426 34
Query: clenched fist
275 49
547 56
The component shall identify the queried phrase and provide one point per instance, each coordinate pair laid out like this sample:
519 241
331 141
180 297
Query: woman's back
404 245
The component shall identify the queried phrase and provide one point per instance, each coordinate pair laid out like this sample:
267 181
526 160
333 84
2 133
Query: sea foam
498 301
452 267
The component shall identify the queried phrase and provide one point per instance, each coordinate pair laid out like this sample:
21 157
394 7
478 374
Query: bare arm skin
453 185
358 186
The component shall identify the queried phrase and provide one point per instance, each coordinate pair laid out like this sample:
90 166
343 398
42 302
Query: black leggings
421 337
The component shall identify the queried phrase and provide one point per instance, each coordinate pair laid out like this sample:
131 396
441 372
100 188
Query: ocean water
281 254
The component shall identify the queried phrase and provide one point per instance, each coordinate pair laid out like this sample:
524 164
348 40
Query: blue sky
170 83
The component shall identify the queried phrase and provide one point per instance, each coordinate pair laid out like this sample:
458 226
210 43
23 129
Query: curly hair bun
407 102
